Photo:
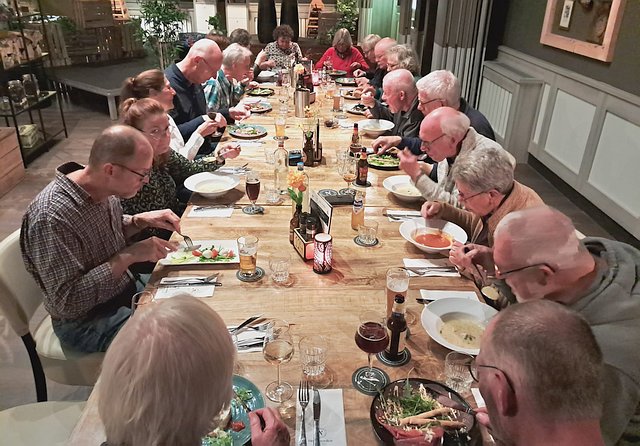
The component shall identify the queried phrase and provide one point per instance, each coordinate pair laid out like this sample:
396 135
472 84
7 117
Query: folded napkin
220 212
177 290
249 340
426 263
402 215
332 428
441 294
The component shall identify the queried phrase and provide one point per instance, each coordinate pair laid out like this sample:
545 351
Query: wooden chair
20 297
49 423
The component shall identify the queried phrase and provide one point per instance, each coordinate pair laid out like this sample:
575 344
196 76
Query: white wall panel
495 104
615 167
569 129
541 113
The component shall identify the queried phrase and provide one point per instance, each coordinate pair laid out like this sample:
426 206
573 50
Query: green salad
383 160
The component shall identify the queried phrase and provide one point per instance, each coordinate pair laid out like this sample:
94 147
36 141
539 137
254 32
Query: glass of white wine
278 349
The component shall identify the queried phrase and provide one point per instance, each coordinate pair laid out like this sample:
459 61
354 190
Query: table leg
113 110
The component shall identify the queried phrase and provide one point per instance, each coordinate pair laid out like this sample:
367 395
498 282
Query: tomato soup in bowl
433 239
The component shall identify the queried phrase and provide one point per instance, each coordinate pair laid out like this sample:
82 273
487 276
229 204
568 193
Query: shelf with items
7 113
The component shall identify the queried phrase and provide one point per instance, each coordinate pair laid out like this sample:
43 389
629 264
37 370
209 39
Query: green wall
522 32
384 18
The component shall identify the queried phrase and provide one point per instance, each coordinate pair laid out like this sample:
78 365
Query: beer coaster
359 242
259 274
253 211
372 386
280 139
403 358
327 193
347 191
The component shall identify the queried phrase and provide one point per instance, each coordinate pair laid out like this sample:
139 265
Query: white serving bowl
211 185
409 228
402 187
374 127
435 314
266 76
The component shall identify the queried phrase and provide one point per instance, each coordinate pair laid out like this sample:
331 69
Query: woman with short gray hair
226 89
402 56
342 55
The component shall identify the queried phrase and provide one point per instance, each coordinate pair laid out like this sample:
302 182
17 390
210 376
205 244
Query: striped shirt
220 93
67 240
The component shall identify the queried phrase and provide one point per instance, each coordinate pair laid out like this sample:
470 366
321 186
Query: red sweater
343 64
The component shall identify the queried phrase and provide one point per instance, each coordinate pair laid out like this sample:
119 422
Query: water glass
272 194
456 371
313 352
368 232
270 156
279 264
142 300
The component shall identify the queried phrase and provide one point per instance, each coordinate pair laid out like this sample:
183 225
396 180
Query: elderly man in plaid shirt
74 239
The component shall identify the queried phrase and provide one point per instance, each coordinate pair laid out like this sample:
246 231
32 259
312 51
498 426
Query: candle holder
323 255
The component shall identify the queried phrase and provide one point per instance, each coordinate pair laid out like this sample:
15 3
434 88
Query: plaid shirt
220 93
67 240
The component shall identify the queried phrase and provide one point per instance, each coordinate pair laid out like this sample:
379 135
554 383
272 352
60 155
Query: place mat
209 213
332 427
425 263
191 290
443 294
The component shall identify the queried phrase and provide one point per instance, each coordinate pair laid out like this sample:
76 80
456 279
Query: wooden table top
315 304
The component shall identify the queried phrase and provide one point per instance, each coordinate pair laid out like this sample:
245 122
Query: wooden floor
86 117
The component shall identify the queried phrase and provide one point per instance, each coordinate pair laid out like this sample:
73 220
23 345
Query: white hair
166 375
369 41
484 169
401 80
407 57
234 54
453 124
441 84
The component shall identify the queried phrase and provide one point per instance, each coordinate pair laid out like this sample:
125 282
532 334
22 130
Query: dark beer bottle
397 326
363 168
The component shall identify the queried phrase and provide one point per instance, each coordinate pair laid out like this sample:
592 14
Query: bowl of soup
374 127
432 235
402 188
211 185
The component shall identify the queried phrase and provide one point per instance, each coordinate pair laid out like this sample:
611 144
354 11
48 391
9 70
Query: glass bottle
16 93
355 146
305 191
31 88
281 168
397 326
309 153
357 213
363 168
294 223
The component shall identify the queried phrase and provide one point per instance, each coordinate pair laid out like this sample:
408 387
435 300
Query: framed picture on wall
580 28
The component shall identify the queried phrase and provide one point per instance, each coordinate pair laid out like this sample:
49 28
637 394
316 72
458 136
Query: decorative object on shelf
299 187
323 254
266 20
30 136
594 32
31 89
17 94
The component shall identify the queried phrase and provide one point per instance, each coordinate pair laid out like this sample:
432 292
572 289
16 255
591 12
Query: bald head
380 51
399 90
118 144
202 62
554 361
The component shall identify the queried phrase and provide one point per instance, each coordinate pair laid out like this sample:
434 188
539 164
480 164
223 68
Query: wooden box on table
11 166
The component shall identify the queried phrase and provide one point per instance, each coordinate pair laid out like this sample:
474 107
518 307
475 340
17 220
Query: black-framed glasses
473 371
500 274
142 175
425 103
463 197
428 144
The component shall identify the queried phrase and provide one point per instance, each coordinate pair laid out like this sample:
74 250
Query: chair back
20 295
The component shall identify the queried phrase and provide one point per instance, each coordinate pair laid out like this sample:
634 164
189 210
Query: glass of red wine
371 338
253 190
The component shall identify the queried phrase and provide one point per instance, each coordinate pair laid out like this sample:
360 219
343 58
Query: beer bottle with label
363 168
357 214
355 145
397 326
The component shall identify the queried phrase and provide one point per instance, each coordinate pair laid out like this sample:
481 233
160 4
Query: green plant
348 10
216 24
161 21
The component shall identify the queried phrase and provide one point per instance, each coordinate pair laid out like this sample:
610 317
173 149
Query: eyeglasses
142 175
158 133
501 275
463 197
208 66
427 144
473 371
424 103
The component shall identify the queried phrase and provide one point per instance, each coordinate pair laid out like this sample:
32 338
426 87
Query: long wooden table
315 304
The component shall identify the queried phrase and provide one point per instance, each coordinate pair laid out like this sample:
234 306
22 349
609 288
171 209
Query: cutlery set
303 399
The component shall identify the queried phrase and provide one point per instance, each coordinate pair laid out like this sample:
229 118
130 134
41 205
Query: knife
316 416
187 284
249 321
444 398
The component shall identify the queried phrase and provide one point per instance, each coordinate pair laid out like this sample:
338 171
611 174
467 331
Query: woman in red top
342 55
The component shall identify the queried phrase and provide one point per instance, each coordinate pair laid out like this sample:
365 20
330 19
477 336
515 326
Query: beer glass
372 338
252 187
397 283
248 249
280 122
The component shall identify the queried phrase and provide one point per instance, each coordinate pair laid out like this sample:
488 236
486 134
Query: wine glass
278 348
347 167
372 338
211 113
252 186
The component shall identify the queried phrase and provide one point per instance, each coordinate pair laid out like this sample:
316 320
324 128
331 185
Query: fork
187 240
303 399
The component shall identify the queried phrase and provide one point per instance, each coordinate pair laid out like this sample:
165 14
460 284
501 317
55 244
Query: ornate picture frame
597 40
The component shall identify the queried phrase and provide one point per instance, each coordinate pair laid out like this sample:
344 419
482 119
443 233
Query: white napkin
247 336
478 397
402 215
441 294
332 428
195 291
220 212
345 123
425 263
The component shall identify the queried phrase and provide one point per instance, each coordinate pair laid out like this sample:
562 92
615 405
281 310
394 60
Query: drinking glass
252 186
348 167
280 123
142 300
368 232
457 371
277 349
211 113
248 251
397 283
279 264
372 338
313 353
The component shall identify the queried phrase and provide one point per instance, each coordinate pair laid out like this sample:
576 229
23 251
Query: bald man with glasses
75 240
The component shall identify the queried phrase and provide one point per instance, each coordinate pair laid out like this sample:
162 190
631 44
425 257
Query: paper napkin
195 291
441 294
214 212
425 263
332 427
249 340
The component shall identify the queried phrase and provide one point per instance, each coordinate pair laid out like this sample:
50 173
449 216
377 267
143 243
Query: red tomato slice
237 426
196 253
214 253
